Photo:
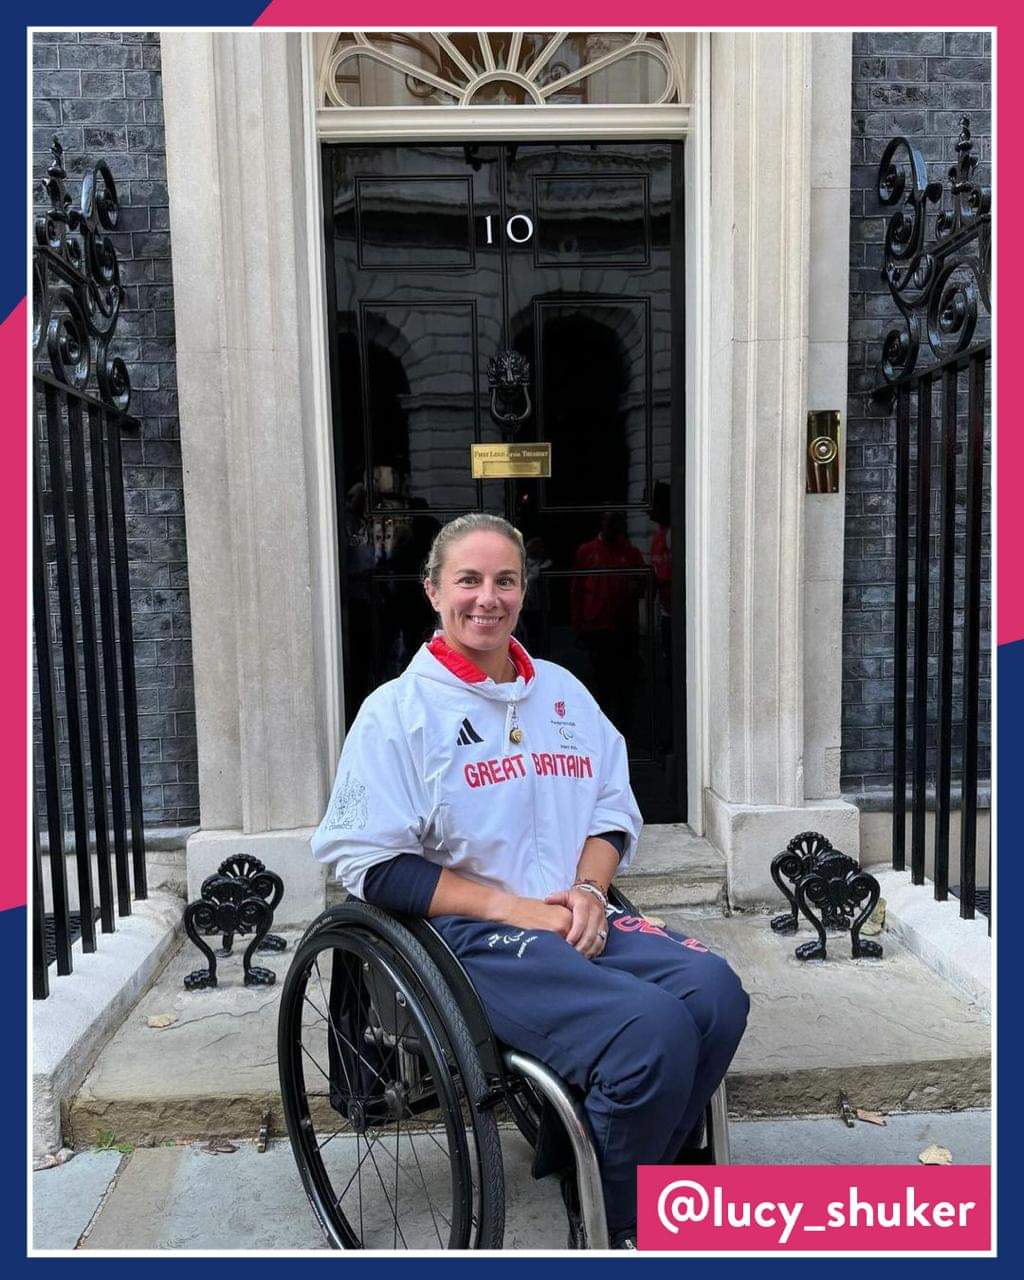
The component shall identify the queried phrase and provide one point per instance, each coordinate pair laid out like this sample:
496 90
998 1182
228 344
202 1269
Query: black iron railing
84 653
938 284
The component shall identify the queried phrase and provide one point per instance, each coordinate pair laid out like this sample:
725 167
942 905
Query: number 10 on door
518 228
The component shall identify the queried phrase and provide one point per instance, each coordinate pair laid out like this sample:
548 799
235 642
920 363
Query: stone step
889 1033
673 867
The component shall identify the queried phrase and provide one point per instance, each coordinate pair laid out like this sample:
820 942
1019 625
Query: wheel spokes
385 1063
430 1203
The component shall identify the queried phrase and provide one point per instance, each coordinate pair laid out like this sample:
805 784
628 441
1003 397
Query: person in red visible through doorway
488 791
604 613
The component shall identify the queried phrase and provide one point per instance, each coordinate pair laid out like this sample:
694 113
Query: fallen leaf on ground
936 1155
872 1117
161 1020
875 922
655 920
219 1146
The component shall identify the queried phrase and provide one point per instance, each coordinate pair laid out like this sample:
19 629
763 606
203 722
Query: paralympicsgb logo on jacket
560 710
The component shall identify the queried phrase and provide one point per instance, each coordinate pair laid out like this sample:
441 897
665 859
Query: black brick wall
918 84
100 93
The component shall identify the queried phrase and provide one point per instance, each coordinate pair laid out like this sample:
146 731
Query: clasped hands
588 930
576 914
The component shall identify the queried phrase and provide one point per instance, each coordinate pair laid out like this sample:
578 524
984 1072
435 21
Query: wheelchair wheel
380 1084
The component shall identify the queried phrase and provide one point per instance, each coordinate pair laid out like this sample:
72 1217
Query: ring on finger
602 935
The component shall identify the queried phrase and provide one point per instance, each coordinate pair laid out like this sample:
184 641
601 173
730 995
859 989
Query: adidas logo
468 735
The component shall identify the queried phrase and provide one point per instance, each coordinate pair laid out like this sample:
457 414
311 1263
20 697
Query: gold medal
515 733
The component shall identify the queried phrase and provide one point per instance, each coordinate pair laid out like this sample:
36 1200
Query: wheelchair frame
504 1070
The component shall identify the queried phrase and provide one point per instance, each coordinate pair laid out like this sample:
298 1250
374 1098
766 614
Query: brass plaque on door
511 461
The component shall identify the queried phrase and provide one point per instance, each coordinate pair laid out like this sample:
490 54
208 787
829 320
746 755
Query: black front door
442 257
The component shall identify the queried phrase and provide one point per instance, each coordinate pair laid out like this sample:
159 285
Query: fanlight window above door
497 68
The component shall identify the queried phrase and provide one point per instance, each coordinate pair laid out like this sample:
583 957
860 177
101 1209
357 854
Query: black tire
398 1104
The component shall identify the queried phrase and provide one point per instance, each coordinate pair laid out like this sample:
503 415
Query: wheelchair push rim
389 1149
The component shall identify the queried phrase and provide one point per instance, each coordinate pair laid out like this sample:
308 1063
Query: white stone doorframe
777 257
767 241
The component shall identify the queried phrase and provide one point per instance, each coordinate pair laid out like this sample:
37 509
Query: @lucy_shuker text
684 1201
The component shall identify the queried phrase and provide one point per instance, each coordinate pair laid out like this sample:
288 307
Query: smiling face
478 597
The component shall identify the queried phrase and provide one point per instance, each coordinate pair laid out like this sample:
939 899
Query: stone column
258 486
828 345
760 246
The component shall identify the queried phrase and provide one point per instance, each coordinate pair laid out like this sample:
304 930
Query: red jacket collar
469 671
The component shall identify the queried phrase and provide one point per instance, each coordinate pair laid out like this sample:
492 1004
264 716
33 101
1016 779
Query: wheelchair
391 1085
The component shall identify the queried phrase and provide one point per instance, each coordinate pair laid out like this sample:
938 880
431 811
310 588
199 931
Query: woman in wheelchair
486 791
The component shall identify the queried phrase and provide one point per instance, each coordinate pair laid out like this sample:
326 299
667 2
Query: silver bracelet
587 887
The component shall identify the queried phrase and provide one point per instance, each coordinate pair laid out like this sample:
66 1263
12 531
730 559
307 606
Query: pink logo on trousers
637 924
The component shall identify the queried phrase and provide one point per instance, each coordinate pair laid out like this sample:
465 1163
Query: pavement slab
65 1198
967 1135
889 1033
185 1198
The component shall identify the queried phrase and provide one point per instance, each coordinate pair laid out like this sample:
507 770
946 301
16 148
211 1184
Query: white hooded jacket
432 766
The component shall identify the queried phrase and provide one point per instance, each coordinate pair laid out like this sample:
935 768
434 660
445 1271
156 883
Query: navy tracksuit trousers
645 1031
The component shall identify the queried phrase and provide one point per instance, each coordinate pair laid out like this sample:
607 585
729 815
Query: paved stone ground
183 1198
888 1033
65 1198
